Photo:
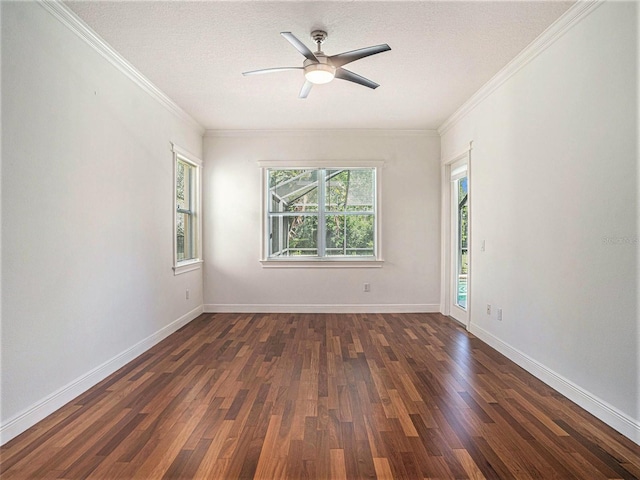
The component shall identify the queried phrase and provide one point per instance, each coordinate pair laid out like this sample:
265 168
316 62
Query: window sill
190 266
321 263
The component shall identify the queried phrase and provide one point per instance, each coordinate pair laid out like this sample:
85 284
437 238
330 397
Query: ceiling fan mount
319 68
319 36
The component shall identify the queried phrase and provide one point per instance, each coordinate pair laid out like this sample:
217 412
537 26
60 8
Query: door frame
447 240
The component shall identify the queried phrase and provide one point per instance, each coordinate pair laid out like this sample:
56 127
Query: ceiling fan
319 68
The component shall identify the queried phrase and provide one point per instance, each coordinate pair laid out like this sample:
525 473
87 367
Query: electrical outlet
500 314
488 309
187 294
367 287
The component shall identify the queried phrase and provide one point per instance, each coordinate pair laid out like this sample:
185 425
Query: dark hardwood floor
284 396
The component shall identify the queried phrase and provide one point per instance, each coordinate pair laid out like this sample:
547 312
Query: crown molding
322 133
555 31
70 20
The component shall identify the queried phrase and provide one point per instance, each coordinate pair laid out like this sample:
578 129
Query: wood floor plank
338 468
469 466
383 469
335 396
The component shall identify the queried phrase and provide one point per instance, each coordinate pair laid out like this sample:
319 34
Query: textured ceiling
195 52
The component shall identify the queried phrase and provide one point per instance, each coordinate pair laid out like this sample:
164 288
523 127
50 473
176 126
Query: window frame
374 261
195 263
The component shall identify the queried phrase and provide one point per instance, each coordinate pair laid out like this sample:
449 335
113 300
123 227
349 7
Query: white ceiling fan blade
306 88
301 47
270 70
344 74
348 57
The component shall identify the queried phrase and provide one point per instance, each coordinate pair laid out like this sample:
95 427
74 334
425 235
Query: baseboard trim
300 308
610 415
36 412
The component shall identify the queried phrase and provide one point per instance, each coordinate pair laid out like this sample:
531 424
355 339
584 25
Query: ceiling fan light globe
319 73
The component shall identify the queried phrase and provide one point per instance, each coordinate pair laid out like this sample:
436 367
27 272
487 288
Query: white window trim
321 262
193 263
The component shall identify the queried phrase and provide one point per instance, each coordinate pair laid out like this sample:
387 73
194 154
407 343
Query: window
314 213
187 244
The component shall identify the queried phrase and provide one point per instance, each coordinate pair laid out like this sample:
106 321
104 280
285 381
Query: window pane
275 236
185 226
180 183
350 190
293 236
184 236
350 235
293 190
184 185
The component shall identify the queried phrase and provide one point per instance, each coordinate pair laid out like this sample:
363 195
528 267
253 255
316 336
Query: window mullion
321 213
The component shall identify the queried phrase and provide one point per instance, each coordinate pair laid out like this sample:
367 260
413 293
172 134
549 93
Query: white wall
87 192
409 279
555 197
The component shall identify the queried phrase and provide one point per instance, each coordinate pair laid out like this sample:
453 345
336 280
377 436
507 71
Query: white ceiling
195 52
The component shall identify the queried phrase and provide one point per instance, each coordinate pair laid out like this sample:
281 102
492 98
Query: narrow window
187 212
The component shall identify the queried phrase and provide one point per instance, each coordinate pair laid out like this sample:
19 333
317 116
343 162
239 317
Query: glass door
462 254
460 241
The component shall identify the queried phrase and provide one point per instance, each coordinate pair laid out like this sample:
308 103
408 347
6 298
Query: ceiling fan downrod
319 36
